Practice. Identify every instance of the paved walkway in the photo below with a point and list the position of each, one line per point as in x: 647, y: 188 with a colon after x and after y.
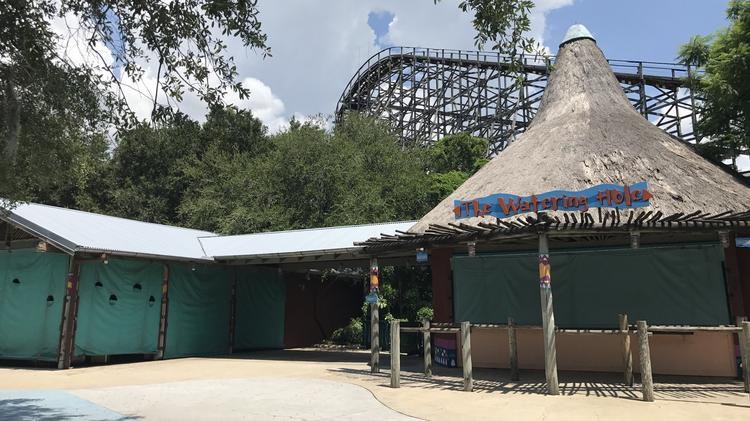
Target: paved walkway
x: 49, y: 405
x: 313, y: 385
x: 245, y: 399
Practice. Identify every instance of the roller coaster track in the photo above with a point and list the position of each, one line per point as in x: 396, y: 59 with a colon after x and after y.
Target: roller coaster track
x: 427, y: 93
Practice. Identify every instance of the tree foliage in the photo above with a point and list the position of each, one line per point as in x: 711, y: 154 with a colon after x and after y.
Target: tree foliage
x: 725, y: 86
x: 46, y: 93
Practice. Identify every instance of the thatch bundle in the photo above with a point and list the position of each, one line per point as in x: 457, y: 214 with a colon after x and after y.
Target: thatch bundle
x: 587, y: 133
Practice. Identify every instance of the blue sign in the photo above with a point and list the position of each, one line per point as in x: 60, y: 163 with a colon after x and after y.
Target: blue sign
x: 503, y: 205
x: 742, y: 241
x: 371, y: 298
x: 422, y: 257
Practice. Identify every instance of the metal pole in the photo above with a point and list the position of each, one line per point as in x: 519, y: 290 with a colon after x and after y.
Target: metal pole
x: 548, y: 317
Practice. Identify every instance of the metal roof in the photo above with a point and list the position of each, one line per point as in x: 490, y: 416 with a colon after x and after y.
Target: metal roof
x: 316, y: 241
x: 78, y: 231
x: 575, y: 32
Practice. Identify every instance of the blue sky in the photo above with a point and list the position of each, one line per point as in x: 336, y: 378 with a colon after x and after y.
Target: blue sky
x: 317, y: 45
x: 649, y: 30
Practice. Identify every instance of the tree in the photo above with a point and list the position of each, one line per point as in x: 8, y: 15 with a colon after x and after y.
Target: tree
x: 725, y: 86
x: 185, y: 38
x: 309, y: 178
x: 453, y: 159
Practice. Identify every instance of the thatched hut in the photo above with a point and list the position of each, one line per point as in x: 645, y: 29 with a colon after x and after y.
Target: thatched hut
x: 636, y: 222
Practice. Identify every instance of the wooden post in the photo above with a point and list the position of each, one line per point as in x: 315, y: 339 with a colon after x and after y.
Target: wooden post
x: 395, y: 354
x: 70, y: 313
x: 161, y: 344
x: 374, y: 318
x: 627, y: 355
x: 548, y: 317
x: 427, y: 348
x: 513, y: 347
x: 647, y: 381
x: 745, y: 349
x: 466, y: 356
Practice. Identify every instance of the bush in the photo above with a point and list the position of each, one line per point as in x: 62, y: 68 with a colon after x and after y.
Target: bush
x: 350, y: 334
x: 425, y: 313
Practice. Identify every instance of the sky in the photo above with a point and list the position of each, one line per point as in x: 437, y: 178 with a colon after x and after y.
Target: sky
x: 317, y: 45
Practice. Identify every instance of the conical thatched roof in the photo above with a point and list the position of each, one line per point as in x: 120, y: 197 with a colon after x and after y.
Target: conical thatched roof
x: 587, y: 133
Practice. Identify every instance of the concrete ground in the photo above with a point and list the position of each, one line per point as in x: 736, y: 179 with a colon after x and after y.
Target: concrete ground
x: 317, y: 385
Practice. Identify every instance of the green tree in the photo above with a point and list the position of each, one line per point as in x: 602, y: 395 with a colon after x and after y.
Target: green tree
x: 453, y: 159
x: 85, y: 99
x: 725, y: 85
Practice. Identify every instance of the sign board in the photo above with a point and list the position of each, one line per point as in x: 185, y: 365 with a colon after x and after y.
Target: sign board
x: 742, y: 241
x: 503, y: 205
x: 422, y: 257
x: 371, y: 298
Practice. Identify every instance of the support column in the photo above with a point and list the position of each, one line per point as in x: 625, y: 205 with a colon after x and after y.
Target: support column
x: 162, y: 341
x: 374, y: 319
x: 466, y: 356
x: 647, y: 380
x: 548, y: 317
x: 395, y: 354
x: 70, y: 313
x: 513, y: 349
x: 731, y: 266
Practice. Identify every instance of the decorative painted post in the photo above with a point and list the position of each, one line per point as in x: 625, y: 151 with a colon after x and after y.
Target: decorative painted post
x: 374, y: 318
x: 548, y: 317
x: 70, y: 313
x: 162, y: 341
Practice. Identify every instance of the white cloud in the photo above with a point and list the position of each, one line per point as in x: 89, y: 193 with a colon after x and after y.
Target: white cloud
x: 317, y: 46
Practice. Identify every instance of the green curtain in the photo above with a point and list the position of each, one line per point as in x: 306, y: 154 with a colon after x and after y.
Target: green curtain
x: 663, y: 285
x: 199, y: 310
x: 259, y: 311
x: 32, y: 290
x: 119, y: 306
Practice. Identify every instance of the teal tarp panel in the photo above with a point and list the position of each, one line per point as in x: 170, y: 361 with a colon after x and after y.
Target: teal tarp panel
x: 259, y: 309
x: 662, y: 285
x: 119, y: 306
x: 199, y: 310
x: 31, y: 307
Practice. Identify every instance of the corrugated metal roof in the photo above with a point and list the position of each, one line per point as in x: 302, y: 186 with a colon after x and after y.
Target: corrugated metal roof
x: 297, y: 242
x: 75, y: 230
x: 78, y: 231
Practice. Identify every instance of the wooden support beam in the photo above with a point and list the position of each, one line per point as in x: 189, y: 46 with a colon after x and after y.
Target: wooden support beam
x: 627, y: 355
x: 161, y: 344
x: 395, y: 354
x: 70, y: 313
x: 427, y: 348
x: 466, y: 356
x: 745, y: 349
x: 513, y: 349
x: 647, y: 381
x: 548, y: 317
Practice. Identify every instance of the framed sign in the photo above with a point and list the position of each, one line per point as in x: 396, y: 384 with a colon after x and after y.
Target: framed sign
x: 503, y: 205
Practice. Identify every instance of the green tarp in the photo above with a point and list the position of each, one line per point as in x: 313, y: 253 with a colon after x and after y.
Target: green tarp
x: 32, y: 290
x: 662, y: 285
x: 259, y: 311
x: 119, y: 306
x: 199, y: 310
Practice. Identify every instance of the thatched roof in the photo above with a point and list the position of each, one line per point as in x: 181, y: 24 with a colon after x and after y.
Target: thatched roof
x: 587, y: 133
